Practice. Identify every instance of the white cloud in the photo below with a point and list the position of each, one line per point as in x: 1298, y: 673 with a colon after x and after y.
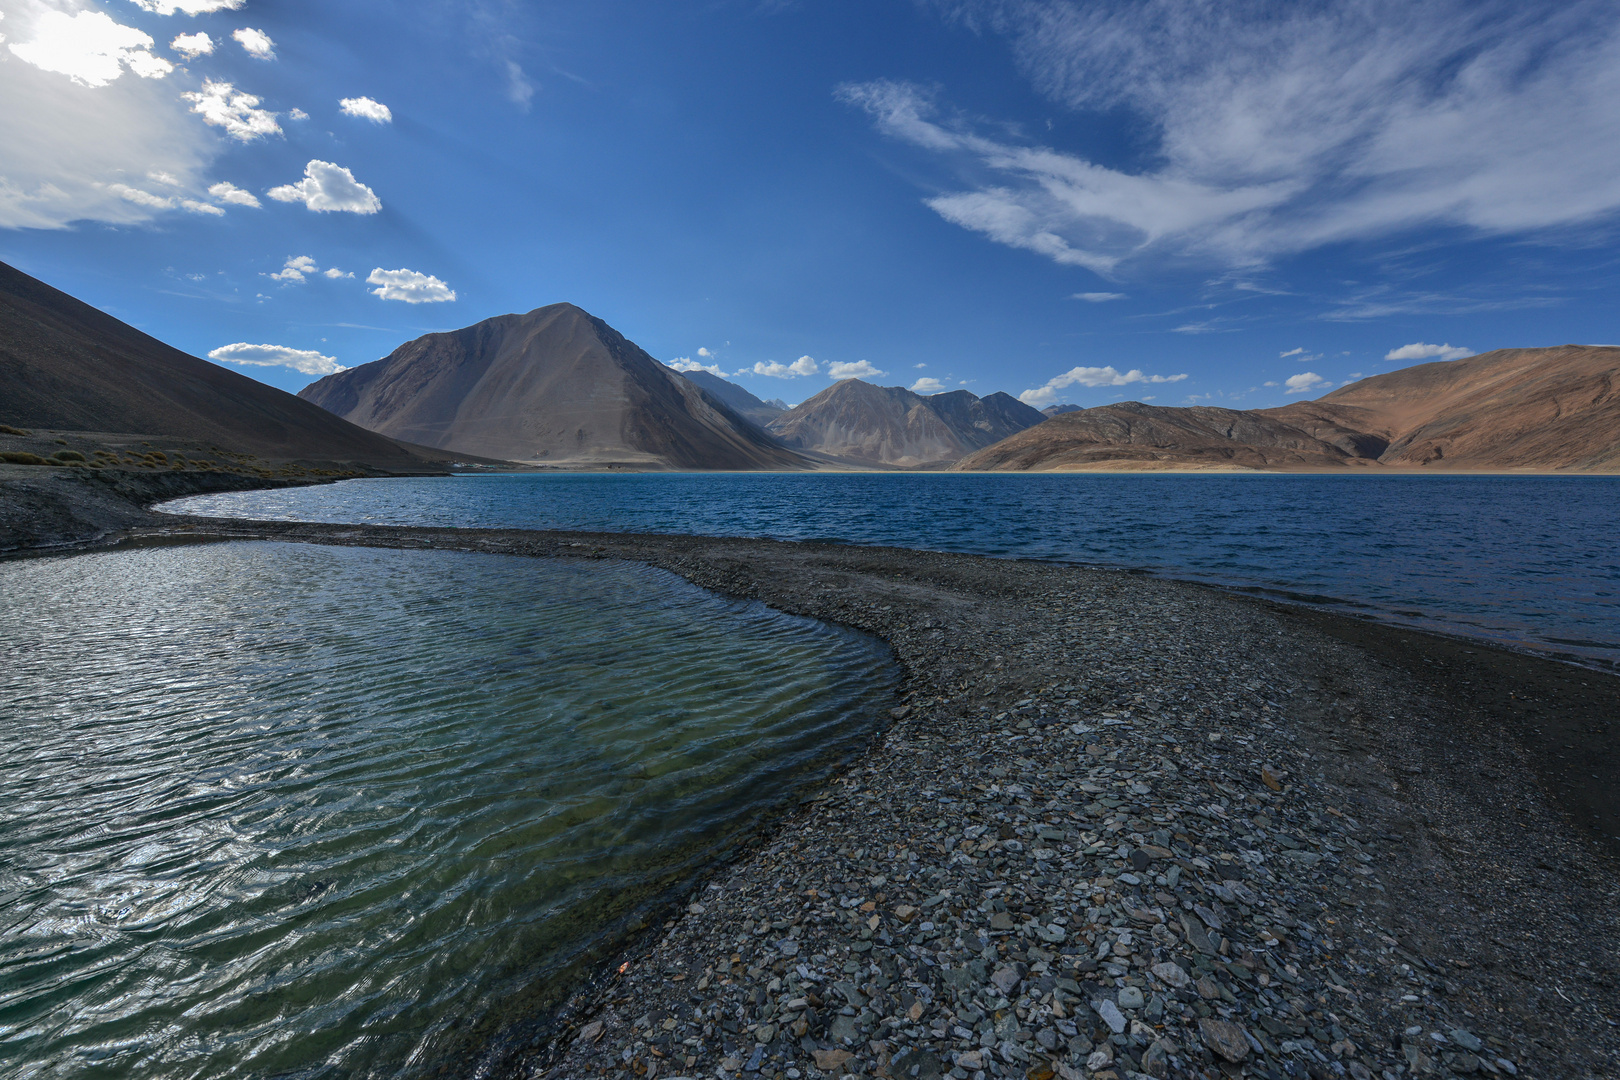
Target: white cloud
x: 328, y: 187
x: 219, y: 104
x: 1419, y: 351
x: 163, y: 202
x: 919, y: 367
x: 1271, y: 383
x: 256, y: 43
x: 409, y: 286
x: 192, y: 46
x: 89, y: 48
x: 303, y: 360
x: 1279, y: 130
x: 1093, y: 377
x: 296, y: 268
x: 334, y: 273
x: 188, y: 7
x: 519, y: 90
x: 196, y: 207
x: 704, y: 352
x: 1305, y: 382
x: 804, y: 365
x: 686, y: 363
x: 927, y: 385
x: 1290, y: 352
x: 227, y: 192
x: 367, y: 109
x: 1099, y: 297
x: 860, y: 369
x: 298, y: 114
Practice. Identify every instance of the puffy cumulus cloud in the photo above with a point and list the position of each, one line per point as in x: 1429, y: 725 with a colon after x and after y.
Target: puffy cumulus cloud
x: 307, y: 361
x: 334, y: 273
x: 256, y: 43
x: 89, y: 48
x: 1282, y: 129
x: 804, y: 365
x: 192, y: 46
x: 686, y: 363
x: 220, y: 104
x: 860, y: 369
x: 927, y: 385
x: 1419, y: 351
x: 1305, y: 382
x: 295, y: 269
x: 188, y: 7
x: 227, y: 192
x: 409, y: 286
x: 704, y: 352
x: 1099, y: 297
x: 1093, y: 377
x: 366, y: 109
x: 327, y: 187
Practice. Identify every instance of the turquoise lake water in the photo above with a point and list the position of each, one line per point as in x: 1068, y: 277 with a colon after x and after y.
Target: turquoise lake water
x: 1526, y: 561
x: 281, y: 810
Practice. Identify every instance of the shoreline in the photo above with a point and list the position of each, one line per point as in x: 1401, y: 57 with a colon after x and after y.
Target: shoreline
x: 1415, y: 842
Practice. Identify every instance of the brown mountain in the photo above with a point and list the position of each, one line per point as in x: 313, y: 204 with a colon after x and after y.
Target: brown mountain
x: 556, y: 386
x: 738, y: 399
x: 890, y: 425
x: 66, y: 366
x: 1512, y: 409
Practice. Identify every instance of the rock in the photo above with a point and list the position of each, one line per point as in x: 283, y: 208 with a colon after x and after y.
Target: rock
x: 1131, y: 997
x: 1212, y: 919
x: 1171, y: 975
x: 1001, y: 921
x: 830, y: 1060
x: 590, y: 1032
x: 787, y: 947
x: 916, y: 1064
x: 1466, y: 1040
x: 1208, y: 988
x: 971, y: 1060
x: 1101, y: 1059
x: 1110, y: 1014
x: 1006, y: 980
x: 765, y: 1033
x: 1225, y: 1038
x: 1156, y: 1060
x: 844, y: 1029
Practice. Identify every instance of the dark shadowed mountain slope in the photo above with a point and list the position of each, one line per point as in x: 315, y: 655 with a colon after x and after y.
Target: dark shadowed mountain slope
x: 890, y: 425
x: 66, y: 366
x: 554, y: 386
x: 1550, y: 408
x: 738, y: 399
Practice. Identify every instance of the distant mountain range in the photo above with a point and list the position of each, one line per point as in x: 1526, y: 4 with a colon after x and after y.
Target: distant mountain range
x: 1531, y: 409
x: 66, y: 366
x: 556, y: 386
x: 889, y: 425
x: 740, y: 401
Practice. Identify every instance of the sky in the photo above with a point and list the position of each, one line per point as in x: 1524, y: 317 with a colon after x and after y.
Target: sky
x: 1178, y: 201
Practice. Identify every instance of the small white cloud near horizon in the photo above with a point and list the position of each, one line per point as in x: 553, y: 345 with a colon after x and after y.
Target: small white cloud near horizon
x: 860, y: 369
x: 89, y: 48
x: 305, y: 361
x: 219, y: 104
x: 686, y: 363
x: 1305, y: 382
x: 1419, y: 351
x: 1092, y: 377
x: 227, y: 192
x: 367, y: 109
x: 410, y: 286
x: 927, y: 385
x: 328, y: 188
x: 188, y: 7
x: 192, y: 46
x: 1098, y: 297
x: 804, y: 365
x: 256, y: 43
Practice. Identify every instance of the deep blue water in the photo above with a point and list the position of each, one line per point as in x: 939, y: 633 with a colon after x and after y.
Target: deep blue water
x: 1528, y: 561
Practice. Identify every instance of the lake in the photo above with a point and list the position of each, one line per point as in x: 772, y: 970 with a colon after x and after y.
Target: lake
x: 288, y: 810
x: 1525, y: 561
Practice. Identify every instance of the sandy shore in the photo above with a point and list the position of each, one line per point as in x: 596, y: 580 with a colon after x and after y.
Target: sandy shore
x: 1122, y: 825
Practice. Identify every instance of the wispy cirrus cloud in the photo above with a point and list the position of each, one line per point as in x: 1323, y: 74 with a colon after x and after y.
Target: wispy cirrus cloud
x: 1285, y: 129
x: 1091, y: 377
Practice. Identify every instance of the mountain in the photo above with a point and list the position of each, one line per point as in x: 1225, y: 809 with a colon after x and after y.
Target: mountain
x: 1058, y: 410
x: 740, y: 401
x: 66, y: 366
x: 1512, y: 409
x: 555, y: 386
x: 890, y: 425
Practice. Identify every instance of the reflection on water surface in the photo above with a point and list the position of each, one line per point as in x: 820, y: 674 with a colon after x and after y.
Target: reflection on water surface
x: 273, y: 809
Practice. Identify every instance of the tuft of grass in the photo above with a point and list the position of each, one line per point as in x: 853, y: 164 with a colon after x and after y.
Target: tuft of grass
x: 7, y: 429
x: 21, y: 457
x: 68, y: 455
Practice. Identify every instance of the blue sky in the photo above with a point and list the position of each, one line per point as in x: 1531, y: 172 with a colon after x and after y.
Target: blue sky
x: 1237, y: 204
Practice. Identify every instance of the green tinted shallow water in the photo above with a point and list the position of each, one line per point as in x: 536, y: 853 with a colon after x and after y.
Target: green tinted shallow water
x: 281, y: 810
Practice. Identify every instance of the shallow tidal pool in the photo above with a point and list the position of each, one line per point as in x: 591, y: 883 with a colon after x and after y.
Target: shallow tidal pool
x: 277, y: 810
